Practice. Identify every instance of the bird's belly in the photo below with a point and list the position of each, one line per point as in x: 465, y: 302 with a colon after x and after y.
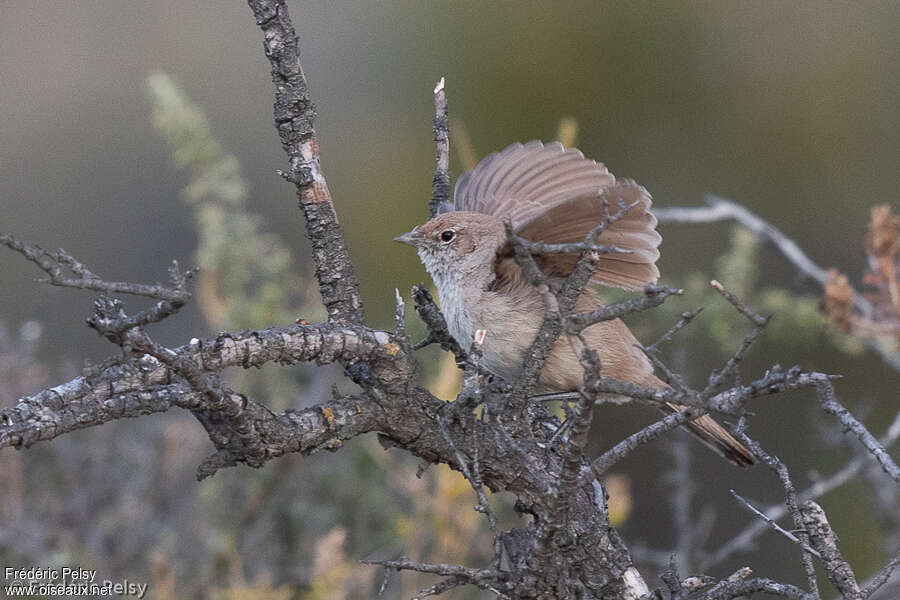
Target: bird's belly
x: 510, y: 329
x: 504, y: 354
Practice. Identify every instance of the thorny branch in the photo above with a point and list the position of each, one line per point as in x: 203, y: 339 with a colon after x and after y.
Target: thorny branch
x: 567, y: 549
x: 55, y: 264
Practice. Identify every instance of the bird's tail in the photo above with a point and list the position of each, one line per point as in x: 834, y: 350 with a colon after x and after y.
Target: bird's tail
x: 708, y: 431
x: 713, y: 435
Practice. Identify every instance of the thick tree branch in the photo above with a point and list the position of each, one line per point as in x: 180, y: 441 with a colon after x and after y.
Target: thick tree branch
x: 140, y: 385
x: 822, y: 538
x: 295, y: 118
x: 440, y: 185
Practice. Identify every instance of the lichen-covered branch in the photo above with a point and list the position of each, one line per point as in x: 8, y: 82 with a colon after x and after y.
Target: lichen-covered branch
x: 295, y: 117
x: 440, y: 185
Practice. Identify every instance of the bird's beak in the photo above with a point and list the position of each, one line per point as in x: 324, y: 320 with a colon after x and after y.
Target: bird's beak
x: 410, y: 237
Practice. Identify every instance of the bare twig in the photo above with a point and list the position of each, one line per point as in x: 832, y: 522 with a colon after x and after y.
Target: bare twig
x: 560, y: 305
x: 654, y: 431
x: 790, y: 496
x: 54, y: 264
x: 435, y: 323
x: 721, y: 209
x: 384, y: 581
x: 685, y: 320
x: 754, y: 317
x: 830, y: 404
x: 473, y: 476
x: 744, y: 540
x: 654, y: 295
x: 524, y: 258
x: 730, y: 590
x: 439, y: 588
x: 775, y: 525
x: 681, y: 499
x: 881, y: 577
x: 457, y: 575
x: 718, y: 378
x: 540, y: 248
x: 404, y: 564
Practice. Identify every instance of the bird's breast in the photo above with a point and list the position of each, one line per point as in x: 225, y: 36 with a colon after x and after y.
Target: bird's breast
x: 510, y: 323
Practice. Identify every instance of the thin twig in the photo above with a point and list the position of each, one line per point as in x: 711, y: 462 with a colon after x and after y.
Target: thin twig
x: 718, y: 379
x: 720, y: 209
x: 741, y: 589
x: 54, y: 264
x: 404, y: 564
x: 686, y: 318
x: 681, y: 499
x: 881, y: 577
x: 654, y: 295
x: 651, y: 432
x: 439, y: 588
x: 790, y: 496
x: 744, y: 540
x: 438, y: 333
x: 830, y: 404
x: 474, y: 478
x: 775, y: 525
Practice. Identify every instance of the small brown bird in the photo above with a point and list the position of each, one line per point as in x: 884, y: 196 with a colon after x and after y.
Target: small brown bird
x: 553, y: 195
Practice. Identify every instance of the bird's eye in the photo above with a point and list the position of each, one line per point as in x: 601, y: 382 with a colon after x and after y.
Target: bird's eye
x: 447, y: 235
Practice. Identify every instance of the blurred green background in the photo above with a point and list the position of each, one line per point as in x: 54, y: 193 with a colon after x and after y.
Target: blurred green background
x: 789, y: 108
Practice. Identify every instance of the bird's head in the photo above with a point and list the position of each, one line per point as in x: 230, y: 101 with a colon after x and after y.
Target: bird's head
x: 457, y: 244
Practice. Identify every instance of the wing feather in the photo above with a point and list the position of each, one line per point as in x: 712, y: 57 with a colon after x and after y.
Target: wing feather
x: 557, y: 196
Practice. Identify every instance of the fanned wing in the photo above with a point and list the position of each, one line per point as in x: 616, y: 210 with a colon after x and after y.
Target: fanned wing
x: 557, y: 196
